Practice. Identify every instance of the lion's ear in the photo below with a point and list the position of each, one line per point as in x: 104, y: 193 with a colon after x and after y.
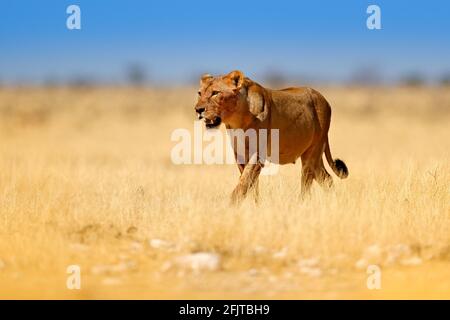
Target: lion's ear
x: 237, y: 78
x: 257, y: 105
x: 206, y: 78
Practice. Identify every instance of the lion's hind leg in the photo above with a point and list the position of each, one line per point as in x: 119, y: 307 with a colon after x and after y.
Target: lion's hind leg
x: 307, y: 180
x: 313, y: 169
x: 308, y: 172
x: 322, y: 177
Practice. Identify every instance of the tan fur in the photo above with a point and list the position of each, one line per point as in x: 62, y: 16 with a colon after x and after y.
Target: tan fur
x: 301, y: 114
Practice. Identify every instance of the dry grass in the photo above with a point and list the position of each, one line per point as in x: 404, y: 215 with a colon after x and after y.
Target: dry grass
x: 86, y: 179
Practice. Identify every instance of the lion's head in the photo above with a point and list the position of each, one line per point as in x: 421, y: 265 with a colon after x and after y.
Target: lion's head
x: 232, y: 99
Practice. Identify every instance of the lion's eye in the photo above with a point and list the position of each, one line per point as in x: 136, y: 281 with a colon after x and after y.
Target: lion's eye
x: 199, y: 93
x: 215, y: 93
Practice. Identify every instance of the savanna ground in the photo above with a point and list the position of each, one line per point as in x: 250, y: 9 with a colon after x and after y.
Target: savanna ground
x: 86, y: 179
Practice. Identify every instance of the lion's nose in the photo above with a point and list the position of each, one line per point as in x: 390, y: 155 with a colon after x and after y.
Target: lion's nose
x: 200, y: 110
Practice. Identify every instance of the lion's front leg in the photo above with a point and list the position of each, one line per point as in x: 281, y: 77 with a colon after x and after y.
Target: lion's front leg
x: 255, y: 190
x: 247, y: 181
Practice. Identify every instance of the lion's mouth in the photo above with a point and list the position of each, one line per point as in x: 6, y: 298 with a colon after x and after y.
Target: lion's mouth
x: 211, y: 124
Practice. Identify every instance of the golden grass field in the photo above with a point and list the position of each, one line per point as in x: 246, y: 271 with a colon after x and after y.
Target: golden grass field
x: 86, y: 179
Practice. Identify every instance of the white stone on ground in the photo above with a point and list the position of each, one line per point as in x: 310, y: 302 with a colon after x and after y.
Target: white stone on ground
x: 197, y: 262
x: 310, y: 267
x: 390, y: 255
x: 310, y: 262
x: 361, y: 264
x: 398, y: 252
x: 373, y: 254
x: 413, y: 261
x: 160, y: 244
x: 281, y: 254
x: 115, y: 268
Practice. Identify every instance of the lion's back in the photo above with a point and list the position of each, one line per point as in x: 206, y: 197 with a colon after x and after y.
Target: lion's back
x: 321, y: 105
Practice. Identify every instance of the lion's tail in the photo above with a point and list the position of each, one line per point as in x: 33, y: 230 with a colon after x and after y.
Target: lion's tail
x: 338, y: 166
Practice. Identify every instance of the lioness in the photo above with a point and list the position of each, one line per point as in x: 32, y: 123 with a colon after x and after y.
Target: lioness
x: 301, y: 114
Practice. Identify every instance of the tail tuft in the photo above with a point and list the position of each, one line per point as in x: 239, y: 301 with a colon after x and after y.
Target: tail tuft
x: 341, y: 168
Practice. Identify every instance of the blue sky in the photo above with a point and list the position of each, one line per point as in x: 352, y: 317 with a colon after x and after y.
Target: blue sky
x: 176, y: 40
